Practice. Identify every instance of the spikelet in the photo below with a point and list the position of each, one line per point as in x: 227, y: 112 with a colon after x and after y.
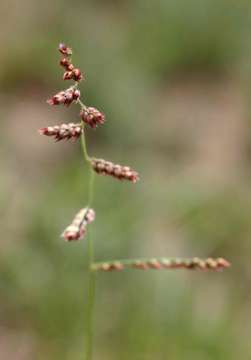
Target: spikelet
x: 77, y: 229
x: 64, y: 131
x: 65, y: 50
x: 65, y: 97
x: 92, y: 117
x: 118, y: 171
x: 66, y: 64
x: 163, y: 263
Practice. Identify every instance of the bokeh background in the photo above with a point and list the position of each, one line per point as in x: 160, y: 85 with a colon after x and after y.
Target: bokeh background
x: 173, y: 78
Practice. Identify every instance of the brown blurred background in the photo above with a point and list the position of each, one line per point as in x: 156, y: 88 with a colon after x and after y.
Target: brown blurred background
x: 173, y: 78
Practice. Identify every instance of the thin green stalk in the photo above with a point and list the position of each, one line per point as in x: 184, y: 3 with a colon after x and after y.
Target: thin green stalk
x: 92, y: 275
x: 82, y: 105
x: 91, y: 186
x: 90, y: 314
x: 84, y: 148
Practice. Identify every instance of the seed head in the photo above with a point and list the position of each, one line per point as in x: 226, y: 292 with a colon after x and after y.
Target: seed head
x: 73, y: 74
x: 118, y: 171
x: 64, y: 131
x: 68, y: 75
x: 92, y: 117
x: 65, y: 97
x: 90, y: 216
x: 65, y: 50
x: 77, y: 229
x: 66, y: 64
x: 76, y: 74
x: 163, y: 263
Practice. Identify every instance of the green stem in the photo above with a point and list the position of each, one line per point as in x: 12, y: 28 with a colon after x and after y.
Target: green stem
x: 82, y: 105
x: 91, y: 172
x: 90, y: 314
x: 91, y: 186
x: 84, y: 148
x: 92, y: 275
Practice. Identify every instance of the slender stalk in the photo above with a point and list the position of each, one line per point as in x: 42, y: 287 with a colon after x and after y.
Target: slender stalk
x: 91, y: 186
x: 84, y: 148
x: 82, y: 105
x: 92, y: 275
x: 90, y: 313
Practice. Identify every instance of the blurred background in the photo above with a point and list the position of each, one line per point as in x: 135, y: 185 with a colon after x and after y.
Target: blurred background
x: 173, y: 78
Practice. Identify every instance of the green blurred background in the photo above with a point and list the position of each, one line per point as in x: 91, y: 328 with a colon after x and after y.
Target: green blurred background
x: 173, y: 78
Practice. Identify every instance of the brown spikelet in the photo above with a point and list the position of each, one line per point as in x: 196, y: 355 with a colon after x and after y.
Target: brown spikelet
x: 65, y: 50
x: 68, y: 75
x: 65, y: 97
x: 64, y: 131
x: 77, y: 75
x: 92, y: 117
x: 77, y: 229
x: 163, y: 263
x: 73, y: 74
x: 66, y: 64
x: 118, y: 171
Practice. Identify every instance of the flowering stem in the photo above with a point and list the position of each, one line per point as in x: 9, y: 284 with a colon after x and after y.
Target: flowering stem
x: 92, y: 275
x: 77, y: 229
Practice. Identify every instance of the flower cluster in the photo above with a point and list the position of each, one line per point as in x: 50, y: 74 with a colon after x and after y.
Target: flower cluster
x: 65, y: 50
x: 71, y: 73
x: 92, y: 117
x: 118, y: 171
x: 163, y: 263
x: 65, y: 97
x: 64, y: 131
x: 77, y: 229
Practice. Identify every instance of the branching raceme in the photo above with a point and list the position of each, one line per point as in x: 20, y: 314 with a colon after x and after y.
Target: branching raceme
x: 90, y: 116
